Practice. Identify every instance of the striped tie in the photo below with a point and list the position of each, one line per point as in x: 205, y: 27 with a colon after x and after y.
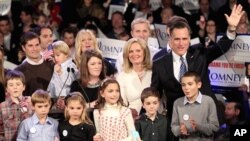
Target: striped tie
x: 183, y: 67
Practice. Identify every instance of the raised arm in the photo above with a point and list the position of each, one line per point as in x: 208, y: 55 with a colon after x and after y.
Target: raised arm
x: 234, y: 18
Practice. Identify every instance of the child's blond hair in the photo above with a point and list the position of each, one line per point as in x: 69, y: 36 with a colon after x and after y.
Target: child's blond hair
x: 40, y: 96
x: 62, y: 47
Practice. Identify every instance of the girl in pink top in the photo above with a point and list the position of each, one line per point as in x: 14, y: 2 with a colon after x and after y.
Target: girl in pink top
x: 113, y: 120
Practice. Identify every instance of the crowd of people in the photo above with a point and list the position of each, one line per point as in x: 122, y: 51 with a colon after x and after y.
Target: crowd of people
x: 64, y: 89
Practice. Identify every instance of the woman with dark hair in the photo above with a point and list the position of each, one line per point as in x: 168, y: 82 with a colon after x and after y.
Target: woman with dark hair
x: 208, y: 31
x: 92, y: 72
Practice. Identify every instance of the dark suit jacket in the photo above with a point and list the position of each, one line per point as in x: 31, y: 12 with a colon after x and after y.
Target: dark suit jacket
x: 198, y: 59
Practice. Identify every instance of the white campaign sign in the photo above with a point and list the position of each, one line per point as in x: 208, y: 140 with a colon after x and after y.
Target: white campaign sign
x: 155, y: 4
x: 114, y: 8
x: 5, y: 6
x: 110, y: 47
x: 229, y: 69
x: 161, y: 34
x: 188, y: 4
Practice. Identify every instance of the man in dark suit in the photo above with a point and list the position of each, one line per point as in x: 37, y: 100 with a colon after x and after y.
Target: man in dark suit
x: 166, y: 70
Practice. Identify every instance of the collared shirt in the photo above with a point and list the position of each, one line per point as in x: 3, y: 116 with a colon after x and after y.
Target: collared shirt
x: 152, y: 130
x: 231, y: 36
x: 10, y: 118
x: 198, y: 99
x: 32, y: 130
x: 32, y: 62
x: 177, y: 64
x: 58, y: 80
x: 204, y: 114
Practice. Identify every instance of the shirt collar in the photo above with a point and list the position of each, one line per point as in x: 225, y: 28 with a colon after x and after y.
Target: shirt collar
x: 34, y: 63
x: 65, y: 64
x: 145, y: 117
x: 176, y: 57
x: 198, y: 99
x: 168, y: 47
x: 107, y: 105
x: 9, y: 101
x: 35, y: 119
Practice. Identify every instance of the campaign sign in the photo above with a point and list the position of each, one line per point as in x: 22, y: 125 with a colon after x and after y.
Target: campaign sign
x: 110, y: 48
x: 161, y: 34
x: 5, y: 6
x: 229, y: 69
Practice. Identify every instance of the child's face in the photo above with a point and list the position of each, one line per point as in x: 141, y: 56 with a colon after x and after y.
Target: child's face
x: 111, y: 93
x: 60, y: 57
x: 74, y: 109
x: 95, y: 66
x: 190, y: 87
x: 42, y: 109
x: 151, y: 105
x: 15, y: 87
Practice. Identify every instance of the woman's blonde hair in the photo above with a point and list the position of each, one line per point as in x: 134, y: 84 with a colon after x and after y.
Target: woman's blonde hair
x: 78, y: 43
x: 127, y: 65
x: 77, y: 96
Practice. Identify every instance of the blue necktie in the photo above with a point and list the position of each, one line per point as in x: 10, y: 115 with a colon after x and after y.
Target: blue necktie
x: 183, y: 67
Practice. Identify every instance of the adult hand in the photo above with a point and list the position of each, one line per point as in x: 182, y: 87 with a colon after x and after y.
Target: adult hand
x: 235, y: 16
x: 202, y: 23
x: 92, y: 104
x: 60, y: 103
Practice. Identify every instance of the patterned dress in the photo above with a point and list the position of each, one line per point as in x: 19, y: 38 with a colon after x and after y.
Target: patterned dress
x: 114, y: 123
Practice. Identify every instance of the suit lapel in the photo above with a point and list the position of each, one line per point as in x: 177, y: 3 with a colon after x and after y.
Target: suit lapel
x: 190, y: 62
x: 169, y: 67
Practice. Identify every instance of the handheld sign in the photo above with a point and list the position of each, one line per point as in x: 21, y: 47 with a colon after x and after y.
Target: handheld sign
x: 5, y: 6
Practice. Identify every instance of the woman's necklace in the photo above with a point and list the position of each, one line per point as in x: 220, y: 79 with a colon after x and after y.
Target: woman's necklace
x: 94, y: 85
x: 141, y: 74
